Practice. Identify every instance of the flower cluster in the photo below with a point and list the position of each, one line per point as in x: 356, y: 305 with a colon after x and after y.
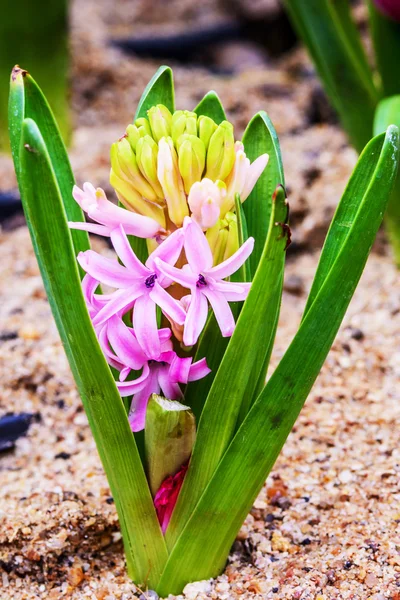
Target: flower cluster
x: 177, y: 175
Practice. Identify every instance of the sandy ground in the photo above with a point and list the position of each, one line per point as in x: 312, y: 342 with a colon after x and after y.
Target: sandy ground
x: 325, y: 527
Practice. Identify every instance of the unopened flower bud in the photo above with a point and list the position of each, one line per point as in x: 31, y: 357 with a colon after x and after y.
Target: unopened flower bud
x: 124, y: 164
x: 192, y: 159
x: 223, y: 238
x: 132, y: 200
x: 221, y: 152
x: 133, y: 135
x: 170, y: 433
x: 205, y: 200
x: 206, y: 128
x: 147, y: 157
x: 243, y: 177
x: 160, y: 121
x: 143, y: 126
x: 183, y: 121
x: 171, y: 181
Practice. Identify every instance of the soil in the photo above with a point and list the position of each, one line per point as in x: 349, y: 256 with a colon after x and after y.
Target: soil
x: 325, y: 526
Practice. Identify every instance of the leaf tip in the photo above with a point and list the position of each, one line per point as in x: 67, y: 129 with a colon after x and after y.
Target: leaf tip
x: 17, y: 73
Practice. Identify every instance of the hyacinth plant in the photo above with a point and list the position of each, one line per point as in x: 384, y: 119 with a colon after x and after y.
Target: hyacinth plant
x: 366, y: 96
x: 169, y: 342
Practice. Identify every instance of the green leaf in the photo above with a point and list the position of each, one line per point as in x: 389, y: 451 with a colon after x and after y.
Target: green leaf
x: 159, y: 90
x: 334, y: 45
x: 232, y: 389
x: 27, y: 101
x: 211, y: 106
x: 385, y: 35
x: 144, y: 544
x: 204, y: 544
x: 260, y: 138
x: 343, y: 220
x: 387, y: 113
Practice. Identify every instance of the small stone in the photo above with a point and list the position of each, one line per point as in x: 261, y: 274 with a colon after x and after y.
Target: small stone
x: 75, y: 576
x: 371, y: 580
x: 294, y: 285
x: 191, y: 590
x: 345, y: 476
x: 29, y: 332
x: 280, y: 543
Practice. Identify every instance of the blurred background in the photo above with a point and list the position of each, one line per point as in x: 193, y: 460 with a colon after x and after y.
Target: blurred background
x: 93, y: 59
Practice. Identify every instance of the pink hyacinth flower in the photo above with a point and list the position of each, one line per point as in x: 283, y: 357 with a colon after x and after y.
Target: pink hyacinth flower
x: 138, y: 285
x: 167, y: 495
x: 162, y: 376
x: 108, y: 216
x: 206, y: 282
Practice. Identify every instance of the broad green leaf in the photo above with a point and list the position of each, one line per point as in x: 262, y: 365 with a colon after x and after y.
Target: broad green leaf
x: 144, y: 544
x: 385, y: 35
x: 260, y: 138
x: 27, y: 101
x: 388, y: 112
x: 326, y: 30
x: 159, y: 90
x: 211, y: 106
x: 244, y: 359
x: 202, y: 549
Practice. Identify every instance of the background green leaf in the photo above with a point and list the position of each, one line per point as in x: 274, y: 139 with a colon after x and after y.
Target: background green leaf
x: 333, y: 42
x: 235, y: 381
x: 385, y: 35
x: 204, y: 544
x: 260, y: 138
x: 144, y: 544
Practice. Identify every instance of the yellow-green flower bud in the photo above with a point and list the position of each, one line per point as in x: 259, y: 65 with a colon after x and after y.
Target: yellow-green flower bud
x: 147, y: 156
x: 206, y: 128
x: 131, y: 199
x: 232, y: 243
x: 223, y: 238
x: 192, y: 159
x: 221, y: 152
x: 143, y: 126
x: 171, y: 181
x: 160, y: 121
x: 133, y: 135
x: 124, y: 164
x: 183, y: 121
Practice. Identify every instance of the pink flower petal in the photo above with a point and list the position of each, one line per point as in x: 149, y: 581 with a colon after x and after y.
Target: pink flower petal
x: 198, y: 370
x: 125, y: 345
x: 237, y: 295
x: 198, y: 252
x: 90, y: 228
x: 195, y: 319
x: 145, y: 326
x: 170, y: 307
x: 183, y: 277
x: 170, y: 389
x: 128, y: 388
x: 124, y: 251
x: 106, y: 270
x: 232, y: 264
x: 179, y: 369
x: 121, y: 300
x: 222, y: 311
x: 168, y: 251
